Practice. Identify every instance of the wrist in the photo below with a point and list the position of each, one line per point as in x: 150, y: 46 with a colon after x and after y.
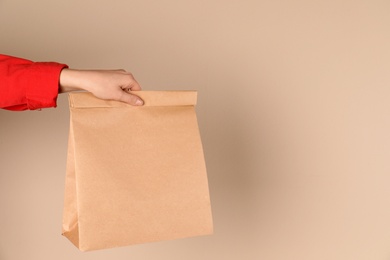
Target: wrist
x: 69, y: 81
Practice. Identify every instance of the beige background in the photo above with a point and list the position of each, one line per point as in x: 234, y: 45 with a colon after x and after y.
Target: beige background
x: 293, y: 109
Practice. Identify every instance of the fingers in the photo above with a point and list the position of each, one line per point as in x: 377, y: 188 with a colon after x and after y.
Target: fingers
x: 132, y: 83
x: 131, y: 99
x: 128, y: 84
x: 135, y: 86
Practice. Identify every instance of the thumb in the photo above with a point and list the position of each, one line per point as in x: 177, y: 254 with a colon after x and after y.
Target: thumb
x: 131, y: 99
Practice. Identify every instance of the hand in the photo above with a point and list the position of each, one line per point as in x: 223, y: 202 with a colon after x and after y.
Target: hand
x: 104, y: 84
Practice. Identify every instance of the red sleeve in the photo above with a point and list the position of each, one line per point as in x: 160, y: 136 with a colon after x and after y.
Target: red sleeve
x: 28, y: 85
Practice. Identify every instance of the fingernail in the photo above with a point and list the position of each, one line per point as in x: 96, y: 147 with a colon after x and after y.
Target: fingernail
x: 139, y: 102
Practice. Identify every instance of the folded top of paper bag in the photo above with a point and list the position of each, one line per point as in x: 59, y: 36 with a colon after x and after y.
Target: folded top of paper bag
x: 151, y: 98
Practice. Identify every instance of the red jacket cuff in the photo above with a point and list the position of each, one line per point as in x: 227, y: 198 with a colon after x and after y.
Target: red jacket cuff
x: 43, y: 84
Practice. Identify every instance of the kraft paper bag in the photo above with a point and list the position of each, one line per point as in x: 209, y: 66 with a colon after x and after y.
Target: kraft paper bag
x: 135, y: 174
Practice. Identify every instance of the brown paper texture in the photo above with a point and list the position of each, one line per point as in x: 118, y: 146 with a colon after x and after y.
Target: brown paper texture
x: 135, y: 174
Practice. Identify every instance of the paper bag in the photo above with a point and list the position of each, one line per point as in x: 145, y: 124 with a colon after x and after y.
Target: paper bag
x: 135, y: 174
